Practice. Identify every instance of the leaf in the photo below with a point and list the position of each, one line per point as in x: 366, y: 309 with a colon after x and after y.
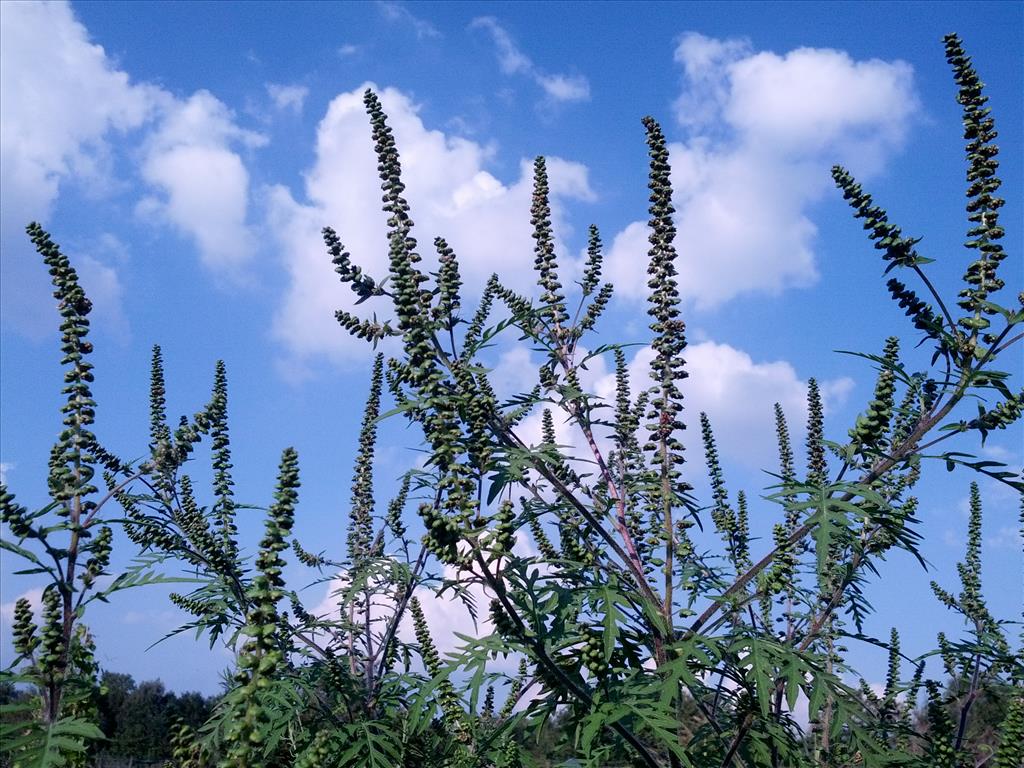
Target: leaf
x: 10, y: 546
x: 48, y: 746
x: 607, y: 603
x: 604, y: 716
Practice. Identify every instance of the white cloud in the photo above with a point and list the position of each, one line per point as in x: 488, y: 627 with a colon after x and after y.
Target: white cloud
x: 34, y: 597
x: 738, y: 394
x: 702, y: 59
x: 450, y: 193
x: 288, y: 97
x: 513, y: 61
x: 565, y: 87
x: 61, y: 102
x: 397, y: 12
x: 762, y: 131
x: 348, y: 49
x: 204, y: 182
x: 61, y: 99
x: 1007, y: 537
x: 1001, y: 454
x: 5, y: 468
x: 66, y: 103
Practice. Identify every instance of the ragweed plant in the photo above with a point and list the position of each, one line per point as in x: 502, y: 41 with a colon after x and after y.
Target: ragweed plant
x: 68, y: 543
x: 624, y: 622
x: 651, y: 650
x: 309, y: 689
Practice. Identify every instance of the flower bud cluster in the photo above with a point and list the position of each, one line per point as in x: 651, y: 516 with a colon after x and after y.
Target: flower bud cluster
x: 593, y: 652
x: 186, y: 749
x: 443, y: 532
x: 504, y: 535
x: 502, y: 622
x: 447, y: 697
x: 898, y: 250
x: 24, y: 630
x: 545, y: 262
x: 263, y: 655
x: 510, y: 754
x: 940, y: 730
x: 52, y: 651
x: 1011, y: 747
x: 982, y: 182
x: 514, y: 689
x: 71, y: 458
x: 97, y: 563
x: 540, y: 538
x: 191, y: 605
x: 317, y: 754
x: 871, y: 426
x: 14, y: 515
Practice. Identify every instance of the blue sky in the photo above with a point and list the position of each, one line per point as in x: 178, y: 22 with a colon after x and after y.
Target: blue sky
x: 187, y: 154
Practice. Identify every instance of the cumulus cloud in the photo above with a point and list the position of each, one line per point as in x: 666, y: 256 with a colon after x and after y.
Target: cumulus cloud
x: 739, y: 393
x: 1007, y: 537
x: 102, y: 284
x: 451, y: 194
x: 5, y: 468
x: 288, y: 97
x: 512, y: 61
x: 203, y: 181
x: 61, y: 102
x: 762, y: 130
x: 736, y: 391
x: 65, y: 105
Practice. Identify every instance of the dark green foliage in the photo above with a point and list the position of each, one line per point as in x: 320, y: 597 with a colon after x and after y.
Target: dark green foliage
x: 1011, y: 743
x: 623, y: 521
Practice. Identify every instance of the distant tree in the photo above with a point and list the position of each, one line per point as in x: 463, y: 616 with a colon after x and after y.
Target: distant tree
x: 191, y: 708
x: 115, y: 687
x: 143, y: 722
x: 138, y: 718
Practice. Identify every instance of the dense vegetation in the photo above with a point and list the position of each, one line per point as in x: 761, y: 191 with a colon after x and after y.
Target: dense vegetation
x: 614, y: 624
x: 139, y: 720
